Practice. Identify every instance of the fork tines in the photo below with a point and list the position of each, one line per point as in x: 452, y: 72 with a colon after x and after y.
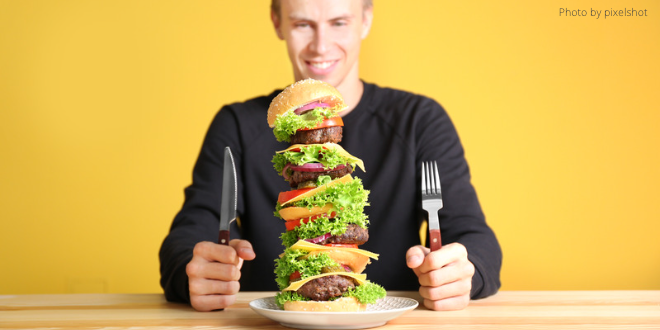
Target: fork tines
x: 430, y: 178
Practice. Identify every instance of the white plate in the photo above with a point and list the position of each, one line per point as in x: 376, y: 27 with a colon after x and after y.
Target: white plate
x: 376, y: 314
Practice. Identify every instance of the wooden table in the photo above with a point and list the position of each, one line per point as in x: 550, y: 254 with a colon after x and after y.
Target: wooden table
x: 506, y: 310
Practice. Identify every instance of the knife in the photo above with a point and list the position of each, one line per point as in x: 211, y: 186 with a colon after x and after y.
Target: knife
x: 229, y: 195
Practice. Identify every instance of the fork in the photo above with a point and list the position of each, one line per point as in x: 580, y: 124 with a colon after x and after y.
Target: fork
x: 432, y: 201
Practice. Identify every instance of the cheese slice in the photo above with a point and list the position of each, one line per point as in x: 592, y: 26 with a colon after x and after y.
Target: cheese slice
x: 294, y: 212
x: 359, y: 278
x: 307, y: 246
x: 344, y: 179
x: 330, y: 145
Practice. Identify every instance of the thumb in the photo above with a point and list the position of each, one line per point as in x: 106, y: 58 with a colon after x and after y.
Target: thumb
x: 415, y: 256
x: 243, y: 249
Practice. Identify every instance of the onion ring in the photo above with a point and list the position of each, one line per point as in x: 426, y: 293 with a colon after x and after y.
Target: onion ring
x: 310, y: 106
x: 318, y: 238
x: 315, y: 167
x: 284, y: 171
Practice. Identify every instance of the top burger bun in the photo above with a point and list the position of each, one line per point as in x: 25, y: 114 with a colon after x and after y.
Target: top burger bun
x: 300, y: 93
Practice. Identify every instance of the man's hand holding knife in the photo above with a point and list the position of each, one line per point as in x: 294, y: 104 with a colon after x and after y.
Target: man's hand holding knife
x: 215, y: 269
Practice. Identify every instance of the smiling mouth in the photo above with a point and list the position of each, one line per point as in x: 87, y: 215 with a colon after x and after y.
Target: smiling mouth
x: 321, y: 65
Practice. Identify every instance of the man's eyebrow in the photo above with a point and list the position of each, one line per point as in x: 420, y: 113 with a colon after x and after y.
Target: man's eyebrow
x: 295, y: 17
x: 343, y: 17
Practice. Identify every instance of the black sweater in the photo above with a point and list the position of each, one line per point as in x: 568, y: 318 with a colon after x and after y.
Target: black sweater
x: 392, y: 132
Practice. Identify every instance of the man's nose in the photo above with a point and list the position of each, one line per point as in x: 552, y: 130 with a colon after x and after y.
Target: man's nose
x: 320, y: 43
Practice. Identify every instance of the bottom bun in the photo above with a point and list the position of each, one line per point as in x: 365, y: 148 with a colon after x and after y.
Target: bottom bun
x: 346, y: 304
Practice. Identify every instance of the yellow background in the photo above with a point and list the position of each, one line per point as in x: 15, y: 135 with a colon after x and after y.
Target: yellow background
x: 104, y: 105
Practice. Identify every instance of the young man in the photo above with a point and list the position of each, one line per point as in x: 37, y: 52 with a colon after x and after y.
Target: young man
x: 392, y: 131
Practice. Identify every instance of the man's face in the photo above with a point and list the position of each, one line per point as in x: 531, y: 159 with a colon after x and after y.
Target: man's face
x: 323, y: 37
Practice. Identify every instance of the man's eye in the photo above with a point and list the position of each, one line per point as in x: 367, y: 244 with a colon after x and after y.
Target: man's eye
x: 340, y: 23
x: 301, y: 25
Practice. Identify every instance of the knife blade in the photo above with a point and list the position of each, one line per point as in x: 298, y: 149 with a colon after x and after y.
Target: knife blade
x: 228, y: 198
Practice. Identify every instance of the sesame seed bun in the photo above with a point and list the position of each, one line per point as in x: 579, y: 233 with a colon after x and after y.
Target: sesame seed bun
x: 301, y: 93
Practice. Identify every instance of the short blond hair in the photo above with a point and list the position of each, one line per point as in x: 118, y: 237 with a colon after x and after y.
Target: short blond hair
x: 275, y: 6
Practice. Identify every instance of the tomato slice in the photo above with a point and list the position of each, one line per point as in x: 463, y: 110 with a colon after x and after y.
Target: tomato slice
x: 328, y: 122
x: 288, y: 195
x: 294, y: 275
x: 293, y: 224
x: 352, y: 246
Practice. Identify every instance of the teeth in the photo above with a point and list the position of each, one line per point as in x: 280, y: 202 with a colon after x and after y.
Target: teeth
x: 322, y: 65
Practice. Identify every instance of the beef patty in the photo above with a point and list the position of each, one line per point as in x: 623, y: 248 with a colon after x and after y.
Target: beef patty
x: 326, y: 287
x: 354, y: 234
x: 319, y: 135
x: 298, y: 177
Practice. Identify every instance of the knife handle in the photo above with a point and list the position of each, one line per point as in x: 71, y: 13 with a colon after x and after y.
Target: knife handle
x: 223, y: 237
x: 436, y: 241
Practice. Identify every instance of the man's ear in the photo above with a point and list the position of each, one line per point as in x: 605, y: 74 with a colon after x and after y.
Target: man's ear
x: 367, y: 19
x: 276, y: 24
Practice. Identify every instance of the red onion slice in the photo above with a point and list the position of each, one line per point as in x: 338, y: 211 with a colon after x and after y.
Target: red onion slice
x: 318, y: 238
x: 314, y: 167
x: 310, y: 106
x: 348, y: 269
x: 284, y: 171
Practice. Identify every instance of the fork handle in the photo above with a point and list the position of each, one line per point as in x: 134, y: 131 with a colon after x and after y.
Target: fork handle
x: 436, y: 241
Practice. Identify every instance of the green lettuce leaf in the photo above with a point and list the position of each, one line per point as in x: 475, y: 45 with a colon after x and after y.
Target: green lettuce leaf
x: 321, y: 226
x: 348, y: 201
x: 367, y: 293
x: 284, y: 296
x: 288, y: 123
x: 299, y: 260
x: 312, y: 153
x: 345, y: 197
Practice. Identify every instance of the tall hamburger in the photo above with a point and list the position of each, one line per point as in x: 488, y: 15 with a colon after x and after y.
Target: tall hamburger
x: 321, y: 266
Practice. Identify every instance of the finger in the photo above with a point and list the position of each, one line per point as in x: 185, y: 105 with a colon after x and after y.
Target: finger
x: 216, y: 252
x: 451, y: 273
x: 449, y: 304
x: 449, y: 290
x: 200, y: 287
x: 198, y: 267
x: 219, y: 271
x: 415, y: 256
x: 243, y: 249
x: 447, y: 254
x: 211, y: 302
